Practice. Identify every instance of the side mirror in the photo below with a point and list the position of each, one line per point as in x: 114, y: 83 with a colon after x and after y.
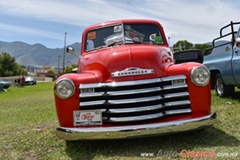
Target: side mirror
x: 238, y: 42
x: 70, y: 50
x: 194, y: 55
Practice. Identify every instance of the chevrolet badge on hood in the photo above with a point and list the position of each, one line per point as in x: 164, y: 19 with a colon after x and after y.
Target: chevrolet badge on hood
x: 132, y: 72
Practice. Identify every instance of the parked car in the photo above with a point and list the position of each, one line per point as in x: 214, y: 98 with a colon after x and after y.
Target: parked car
x: 129, y: 84
x: 6, y: 84
x: 30, y: 81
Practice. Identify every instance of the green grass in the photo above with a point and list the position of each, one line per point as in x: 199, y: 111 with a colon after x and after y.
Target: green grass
x: 28, y: 120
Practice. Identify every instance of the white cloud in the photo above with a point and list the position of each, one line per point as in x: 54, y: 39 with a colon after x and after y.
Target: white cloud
x: 195, y: 21
x: 30, y: 31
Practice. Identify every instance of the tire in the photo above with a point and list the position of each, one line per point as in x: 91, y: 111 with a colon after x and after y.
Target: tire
x: 221, y: 89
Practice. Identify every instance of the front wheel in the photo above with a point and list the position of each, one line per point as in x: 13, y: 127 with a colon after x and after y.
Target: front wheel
x: 221, y: 89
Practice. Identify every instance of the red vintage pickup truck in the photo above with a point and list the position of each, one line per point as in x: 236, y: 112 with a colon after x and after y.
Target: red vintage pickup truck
x: 130, y: 84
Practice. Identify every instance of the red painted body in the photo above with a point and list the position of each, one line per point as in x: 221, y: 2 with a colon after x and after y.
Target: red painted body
x: 96, y: 66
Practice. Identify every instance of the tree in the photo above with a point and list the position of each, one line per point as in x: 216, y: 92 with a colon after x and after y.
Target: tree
x: 204, y: 47
x: 69, y: 69
x: 8, y: 66
x: 52, y: 74
x: 182, y: 45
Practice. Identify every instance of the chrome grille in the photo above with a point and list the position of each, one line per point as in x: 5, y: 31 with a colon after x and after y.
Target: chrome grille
x: 136, y: 101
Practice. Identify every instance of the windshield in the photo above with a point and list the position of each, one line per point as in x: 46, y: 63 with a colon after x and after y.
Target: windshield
x: 123, y: 34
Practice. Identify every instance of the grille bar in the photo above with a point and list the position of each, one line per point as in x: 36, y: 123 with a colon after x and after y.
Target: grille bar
x: 180, y: 111
x: 135, y: 100
x: 177, y: 103
x: 136, y: 109
x: 149, y: 117
x: 174, y: 86
x: 137, y: 118
x: 91, y: 94
x: 135, y: 91
x: 180, y: 94
x: 90, y: 103
x: 119, y: 84
x: 118, y: 93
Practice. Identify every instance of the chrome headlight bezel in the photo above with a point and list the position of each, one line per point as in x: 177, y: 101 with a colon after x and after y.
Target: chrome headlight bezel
x: 200, y: 76
x: 65, y: 88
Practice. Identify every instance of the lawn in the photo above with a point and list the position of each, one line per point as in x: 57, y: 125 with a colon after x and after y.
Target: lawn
x: 28, y: 121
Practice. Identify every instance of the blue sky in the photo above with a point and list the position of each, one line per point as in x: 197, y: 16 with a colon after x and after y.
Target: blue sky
x: 46, y: 21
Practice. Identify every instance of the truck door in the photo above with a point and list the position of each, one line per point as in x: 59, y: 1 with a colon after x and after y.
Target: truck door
x: 236, y: 59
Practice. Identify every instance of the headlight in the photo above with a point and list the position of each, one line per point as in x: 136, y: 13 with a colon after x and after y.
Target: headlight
x: 200, y: 76
x: 65, y: 88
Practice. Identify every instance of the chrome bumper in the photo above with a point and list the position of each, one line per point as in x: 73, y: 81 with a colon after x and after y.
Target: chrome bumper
x: 135, y: 130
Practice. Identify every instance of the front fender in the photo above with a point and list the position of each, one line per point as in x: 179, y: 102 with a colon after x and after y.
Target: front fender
x: 200, y: 100
x: 64, y: 107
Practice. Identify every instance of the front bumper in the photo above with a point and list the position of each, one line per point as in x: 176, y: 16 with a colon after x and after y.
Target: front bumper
x: 134, y: 131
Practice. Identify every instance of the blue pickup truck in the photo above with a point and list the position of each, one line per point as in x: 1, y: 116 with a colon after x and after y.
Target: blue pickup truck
x: 223, y: 60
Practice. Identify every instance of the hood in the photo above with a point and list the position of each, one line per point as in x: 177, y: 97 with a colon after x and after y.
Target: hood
x: 129, y: 62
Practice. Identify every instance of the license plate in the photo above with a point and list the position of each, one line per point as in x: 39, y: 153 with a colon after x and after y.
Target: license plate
x: 87, y: 118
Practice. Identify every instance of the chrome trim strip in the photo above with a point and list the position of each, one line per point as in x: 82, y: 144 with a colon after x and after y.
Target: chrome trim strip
x: 130, y: 83
x: 135, y: 100
x: 179, y: 111
x: 89, y: 103
x: 178, y: 94
x: 174, y: 86
x: 125, y: 83
x: 91, y: 94
x: 131, y: 72
x: 170, y: 78
x: 177, y: 103
x: 135, y: 91
x: 134, y: 131
x: 138, y: 109
x: 147, y: 117
x: 136, y: 118
x: 103, y: 110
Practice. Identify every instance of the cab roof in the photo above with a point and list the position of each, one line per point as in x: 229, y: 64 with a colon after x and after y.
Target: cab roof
x: 109, y: 23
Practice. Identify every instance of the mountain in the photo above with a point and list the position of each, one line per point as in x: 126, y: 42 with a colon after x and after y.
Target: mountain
x: 38, y: 54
